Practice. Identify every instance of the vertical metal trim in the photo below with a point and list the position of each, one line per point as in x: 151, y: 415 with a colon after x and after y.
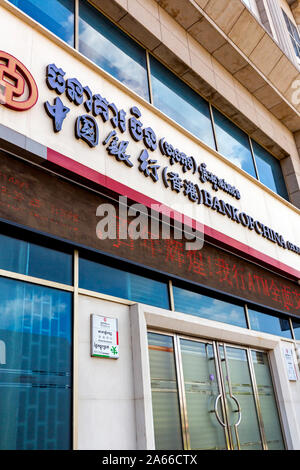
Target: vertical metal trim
x: 231, y: 395
x: 247, y: 316
x: 222, y: 389
x: 253, y: 158
x: 292, y: 329
x: 171, y: 296
x: 76, y: 24
x: 257, y: 401
x: 75, y: 349
x: 181, y: 394
x: 213, y: 125
x: 149, y: 76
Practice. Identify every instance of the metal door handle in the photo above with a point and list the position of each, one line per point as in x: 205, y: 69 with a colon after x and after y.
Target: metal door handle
x: 238, y: 410
x: 216, y: 411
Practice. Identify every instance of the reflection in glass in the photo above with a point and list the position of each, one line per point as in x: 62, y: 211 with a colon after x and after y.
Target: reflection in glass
x: 246, y: 435
x: 268, y: 407
x: 178, y: 101
x: 269, y: 323
x: 207, y: 307
x: 115, y: 52
x: 201, y: 392
x: 166, y: 416
x: 233, y: 143
x: 269, y: 170
x: 35, y: 367
x: 35, y: 260
x: 55, y: 15
x: 107, y: 280
x: 296, y: 328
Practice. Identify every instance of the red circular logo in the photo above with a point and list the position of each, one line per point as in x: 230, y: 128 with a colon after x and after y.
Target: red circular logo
x: 18, y: 89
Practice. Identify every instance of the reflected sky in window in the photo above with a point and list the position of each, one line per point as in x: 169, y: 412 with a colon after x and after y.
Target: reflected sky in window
x: 260, y: 321
x: 174, y: 98
x: 55, y: 15
x: 233, y: 143
x: 269, y: 170
x: 35, y: 260
x: 208, y: 307
x: 112, y: 281
x: 106, y: 45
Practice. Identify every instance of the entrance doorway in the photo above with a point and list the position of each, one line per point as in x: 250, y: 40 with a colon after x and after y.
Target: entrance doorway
x: 211, y: 395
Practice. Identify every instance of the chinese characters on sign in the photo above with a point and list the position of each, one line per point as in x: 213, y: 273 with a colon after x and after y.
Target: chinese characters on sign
x: 104, y: 337
x: 69, y: 212
x: 87, y: 130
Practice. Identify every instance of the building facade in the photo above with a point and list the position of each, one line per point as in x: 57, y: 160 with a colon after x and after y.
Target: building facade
x: 149, y: 224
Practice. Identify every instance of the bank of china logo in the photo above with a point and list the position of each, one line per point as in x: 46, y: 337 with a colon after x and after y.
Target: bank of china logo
x: 18, y: 90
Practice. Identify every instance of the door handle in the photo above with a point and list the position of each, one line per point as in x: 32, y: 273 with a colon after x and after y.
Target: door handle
x: 216, y: 411
x: 238, y: 410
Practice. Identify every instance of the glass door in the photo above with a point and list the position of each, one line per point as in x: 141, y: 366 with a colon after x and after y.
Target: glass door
x: 242, y: 417
x: 203, y: 397
x: 210, y: 395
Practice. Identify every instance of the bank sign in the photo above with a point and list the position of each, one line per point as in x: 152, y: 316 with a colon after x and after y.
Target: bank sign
x: 86, y: 128
x: 94, y: 109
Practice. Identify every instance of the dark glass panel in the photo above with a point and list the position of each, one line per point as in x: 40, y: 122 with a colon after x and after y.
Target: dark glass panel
x: 296, y: 328
x: 269, y: 170
x: 112, y: 281
x: 35, y: 366
x: 35, y: 260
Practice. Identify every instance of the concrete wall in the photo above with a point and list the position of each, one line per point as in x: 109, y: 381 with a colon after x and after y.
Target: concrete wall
x: 113, y: 397
x: 105, y: 387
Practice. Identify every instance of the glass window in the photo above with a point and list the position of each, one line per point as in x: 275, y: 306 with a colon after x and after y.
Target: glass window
x: 166, y: 415
x: 178, y: 101
x: 35, y: 367
x: 107, y: 280
x: 115, y: 52
x: 207, y: 307
x: 267, y: 401
x: 269, y: 323
x: 296, y: 328
x: 233, y: 143
x: 35, y: 260
x: 269, y: 170
x: 294, y: 34
x: 55, y: 15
